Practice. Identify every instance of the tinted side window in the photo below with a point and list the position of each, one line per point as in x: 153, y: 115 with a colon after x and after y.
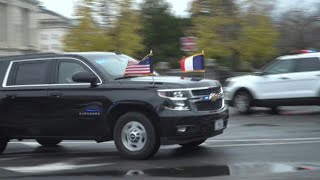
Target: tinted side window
x: 67, y: 69
x: 281, y: 66
x: 30, y: 73
x: 308, y: 64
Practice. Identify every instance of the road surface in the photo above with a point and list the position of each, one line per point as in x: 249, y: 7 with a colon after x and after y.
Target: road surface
x: 258, y: 146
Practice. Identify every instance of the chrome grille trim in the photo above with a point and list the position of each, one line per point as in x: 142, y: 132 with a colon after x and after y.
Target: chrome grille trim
x: 206, y: 92
x: 193, y: 99
x: 209, y: 105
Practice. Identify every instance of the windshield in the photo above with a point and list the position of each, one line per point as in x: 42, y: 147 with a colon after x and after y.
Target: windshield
x: 268, y: 65
x: 280, y: 66
x: 112, y: 64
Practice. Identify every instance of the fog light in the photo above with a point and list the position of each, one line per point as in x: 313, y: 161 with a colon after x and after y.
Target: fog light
x: 181, y: 129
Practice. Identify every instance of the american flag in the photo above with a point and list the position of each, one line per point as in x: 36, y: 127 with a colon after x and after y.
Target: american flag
x: 138, y: 68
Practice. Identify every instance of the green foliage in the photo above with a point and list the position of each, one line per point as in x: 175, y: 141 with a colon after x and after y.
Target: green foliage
x: 127, y: 33
x: 86, y: 36
x: 127, y: 30
x: 162, y: 30
x: 225, y: 32
x: 96, y: 32
x: 258, y: 40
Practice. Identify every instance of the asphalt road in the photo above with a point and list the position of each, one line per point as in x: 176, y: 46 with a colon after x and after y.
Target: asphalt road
x: 258, y: 146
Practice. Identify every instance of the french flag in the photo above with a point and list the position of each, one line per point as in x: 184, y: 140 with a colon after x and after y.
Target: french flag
x: 193, y: 63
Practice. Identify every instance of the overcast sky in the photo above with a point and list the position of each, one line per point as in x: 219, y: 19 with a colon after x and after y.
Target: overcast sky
x: 179, y: 7
x: 65, y: 7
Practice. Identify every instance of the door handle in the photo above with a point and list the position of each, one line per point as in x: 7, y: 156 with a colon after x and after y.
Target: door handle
x: 318, y: 75
x: 56, y: 94
x: 284, y: 78
x: 12, y: 96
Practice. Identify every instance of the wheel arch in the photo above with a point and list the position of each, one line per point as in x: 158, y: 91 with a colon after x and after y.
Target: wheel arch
x: 241, y: 89
x: 120, y: 108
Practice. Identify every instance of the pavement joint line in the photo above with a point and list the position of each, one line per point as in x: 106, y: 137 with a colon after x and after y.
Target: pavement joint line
x: 149, y: 165
x: 264, y: 144
x: 210, y: 140
x: 248, y: 140
x: 33, y: 155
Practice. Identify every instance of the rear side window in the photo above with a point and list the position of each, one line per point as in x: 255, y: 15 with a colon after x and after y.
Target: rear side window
x: 30, y: 73
x: 308, y: 64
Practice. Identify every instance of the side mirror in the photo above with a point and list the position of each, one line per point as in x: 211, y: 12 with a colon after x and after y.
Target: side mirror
x: 259, y: 73
x: 85, y: 77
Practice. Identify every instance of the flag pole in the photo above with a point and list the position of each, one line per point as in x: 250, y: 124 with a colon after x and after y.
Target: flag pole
x: 151, y: 54
x: 204, y: 73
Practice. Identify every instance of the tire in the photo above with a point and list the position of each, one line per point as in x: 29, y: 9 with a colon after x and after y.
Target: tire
x: 242, y: 101
x: 275, y: 110
x: 48, y: 143
x: 193, y: 144
x: 3, y: 144
x: 135, y: 136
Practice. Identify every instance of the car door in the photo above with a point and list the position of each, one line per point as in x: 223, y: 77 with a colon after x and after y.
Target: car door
x: 279, y: 81
x: 308, y: 77
x: 77, y: 108
x: 24, y: 104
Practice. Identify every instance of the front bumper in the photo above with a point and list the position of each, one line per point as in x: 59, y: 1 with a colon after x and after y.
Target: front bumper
x: 198, y: 125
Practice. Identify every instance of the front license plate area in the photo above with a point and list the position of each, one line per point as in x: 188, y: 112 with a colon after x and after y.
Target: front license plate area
x: 218, y: 125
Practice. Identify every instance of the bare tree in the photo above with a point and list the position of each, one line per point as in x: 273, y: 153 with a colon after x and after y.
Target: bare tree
x: 106, y: 11
x: 299, y: 29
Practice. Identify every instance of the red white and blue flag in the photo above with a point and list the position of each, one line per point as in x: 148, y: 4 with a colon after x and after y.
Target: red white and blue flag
x: 143, y: 67
x: 193, y: 63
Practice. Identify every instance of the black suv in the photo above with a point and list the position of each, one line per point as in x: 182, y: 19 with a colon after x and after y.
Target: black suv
x: 85, y: 96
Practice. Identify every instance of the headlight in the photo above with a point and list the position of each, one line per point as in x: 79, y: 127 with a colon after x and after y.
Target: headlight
x: 177, y: 100
x: 173, y: 95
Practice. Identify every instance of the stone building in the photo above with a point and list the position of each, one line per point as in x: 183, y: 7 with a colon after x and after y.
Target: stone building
x: 18, y: 27
x: 52, y: 29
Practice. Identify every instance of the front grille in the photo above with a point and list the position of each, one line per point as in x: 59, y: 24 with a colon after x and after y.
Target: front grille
x: 209, y: 105
x: 203, y: 92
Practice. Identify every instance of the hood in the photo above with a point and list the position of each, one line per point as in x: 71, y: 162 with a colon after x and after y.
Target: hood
x: 171, y: 82
x: 244, y: 78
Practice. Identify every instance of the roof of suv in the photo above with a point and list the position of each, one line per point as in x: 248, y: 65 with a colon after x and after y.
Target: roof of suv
x: 303, y: 55
x: 44, y: 55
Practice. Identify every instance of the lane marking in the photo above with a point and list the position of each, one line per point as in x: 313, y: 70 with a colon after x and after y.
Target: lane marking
x: 71, y: 142
x: 43, y: 168
x: 264, y: 144
x: 209, y: 140
x: 248, y: 140
x: 171, y: 147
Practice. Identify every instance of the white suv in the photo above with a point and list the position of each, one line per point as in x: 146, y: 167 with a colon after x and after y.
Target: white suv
x: 287, y: 81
